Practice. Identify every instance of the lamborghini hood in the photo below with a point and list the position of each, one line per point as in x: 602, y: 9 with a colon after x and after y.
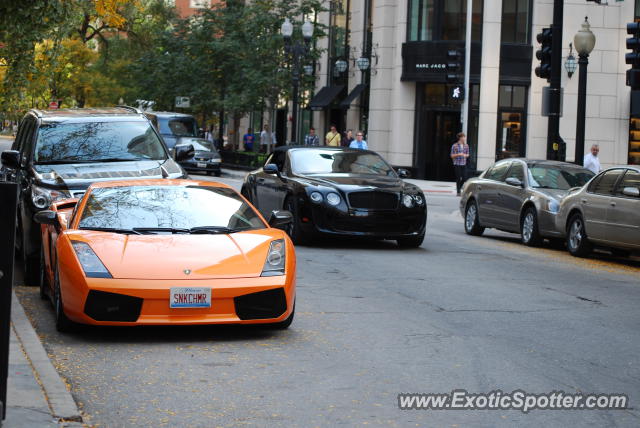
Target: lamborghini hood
x: 178, y: 256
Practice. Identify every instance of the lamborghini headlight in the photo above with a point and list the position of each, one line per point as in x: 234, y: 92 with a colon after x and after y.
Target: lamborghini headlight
x: 91, y: 264
x: 276, y: 257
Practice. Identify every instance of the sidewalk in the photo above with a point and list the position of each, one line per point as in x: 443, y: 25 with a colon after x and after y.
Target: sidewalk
x: 36, y: 395
x: 445, y: 188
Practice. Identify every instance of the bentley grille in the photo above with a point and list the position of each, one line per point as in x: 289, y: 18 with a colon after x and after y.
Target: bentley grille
x: 373, y: 200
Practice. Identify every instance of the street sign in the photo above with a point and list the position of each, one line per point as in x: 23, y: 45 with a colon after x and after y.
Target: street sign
x: 53, y: 105
x: 183, y: 102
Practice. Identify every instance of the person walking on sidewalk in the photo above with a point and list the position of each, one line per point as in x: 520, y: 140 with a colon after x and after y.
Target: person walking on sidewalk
x: 333, y: 137
x: 359, y: 143
x: 311, y: 139
x: 459, y: 156
x: 591, y: 161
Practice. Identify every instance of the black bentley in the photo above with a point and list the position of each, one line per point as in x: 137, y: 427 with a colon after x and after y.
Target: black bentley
x: 339, y: 191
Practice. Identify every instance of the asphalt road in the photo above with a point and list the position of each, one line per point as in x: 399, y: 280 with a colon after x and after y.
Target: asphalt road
x: 372, y: 321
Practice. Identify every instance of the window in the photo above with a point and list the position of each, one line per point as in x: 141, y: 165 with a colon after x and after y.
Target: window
x: 516, y: 171
x: 498, y: 171
x: 515, y: 21
x: 199, y: 4
x: 630, y: 179
x: 338, y: 40
x: 634, y: 141
x: 512, y: 101
x: 443, y: 20
x: 607, y: 182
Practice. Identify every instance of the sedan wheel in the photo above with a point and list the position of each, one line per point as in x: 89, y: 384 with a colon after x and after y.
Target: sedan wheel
x: 471, y: 222
x: 529, y: 228
x: 577, y: 242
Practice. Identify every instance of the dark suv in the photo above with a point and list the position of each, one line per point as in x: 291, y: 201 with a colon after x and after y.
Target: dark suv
x: 57, y: 154
x: 173, y: 126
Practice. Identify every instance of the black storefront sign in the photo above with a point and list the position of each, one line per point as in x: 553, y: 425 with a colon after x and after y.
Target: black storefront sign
x: 428, y: 61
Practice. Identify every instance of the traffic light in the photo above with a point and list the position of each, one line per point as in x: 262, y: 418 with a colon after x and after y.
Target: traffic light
x: 454, y: 65
x: 544, y: 54
x: 633, y: 58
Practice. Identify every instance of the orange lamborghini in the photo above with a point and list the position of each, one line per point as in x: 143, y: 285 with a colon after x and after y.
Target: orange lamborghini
x: 166, y: 252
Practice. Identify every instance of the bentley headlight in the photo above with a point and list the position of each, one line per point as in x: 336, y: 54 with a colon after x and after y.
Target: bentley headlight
x: 333, y: 199
x: 553, y: 206
x: 316, y: 197
x: 43, y: 198
x: 407, y: 201
x: 419, y: 200
x: 275, y: 263
x: 91, y: 264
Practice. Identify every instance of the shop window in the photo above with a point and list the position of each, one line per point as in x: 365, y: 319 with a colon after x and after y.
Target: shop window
x: 515, y: 21
x: 443, y: 20
x: 511, y: 121
x: 634, y: 141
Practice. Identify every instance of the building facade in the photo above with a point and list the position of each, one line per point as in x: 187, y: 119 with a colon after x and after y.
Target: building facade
x: 408, y: 98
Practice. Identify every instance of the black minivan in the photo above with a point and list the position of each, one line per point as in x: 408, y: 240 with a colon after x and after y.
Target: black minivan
x: 57, y: 154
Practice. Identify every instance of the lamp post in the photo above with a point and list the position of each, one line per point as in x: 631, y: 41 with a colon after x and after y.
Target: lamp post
x: 584, y: 42
x: 296, y: 51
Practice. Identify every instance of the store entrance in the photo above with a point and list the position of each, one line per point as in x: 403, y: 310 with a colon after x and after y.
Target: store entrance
x: 440, y: 134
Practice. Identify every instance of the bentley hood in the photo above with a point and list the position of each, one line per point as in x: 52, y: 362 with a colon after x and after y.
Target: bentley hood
x: 351, y: 181
x: 180, y: 256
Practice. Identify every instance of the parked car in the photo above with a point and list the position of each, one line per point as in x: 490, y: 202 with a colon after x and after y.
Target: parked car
x: 58, y: 153
x: 148, y: 252
x: 339, y: 191
x: 520, y: 196
x: 605, y: 213
x: 205, y: 157
x: 172, y: 126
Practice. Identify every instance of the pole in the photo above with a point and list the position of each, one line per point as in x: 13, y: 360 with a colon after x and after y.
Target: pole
x: 583, y: 61
x: 553, y: 128
x: 296, y: 82
x: 467, y: 68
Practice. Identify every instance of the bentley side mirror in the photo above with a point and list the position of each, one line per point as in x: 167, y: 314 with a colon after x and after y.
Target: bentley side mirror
x: 634, y: 192
x: 46, y: 217
x: 183, y: 153
x: 280, y: 218
x: 271, y: 168
x: 512, y: 181
x: 11, y: 159
x: 403, y: 173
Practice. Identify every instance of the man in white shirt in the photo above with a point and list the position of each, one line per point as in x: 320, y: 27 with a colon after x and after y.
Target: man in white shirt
x: 591, y: 161
x: 266, y: 140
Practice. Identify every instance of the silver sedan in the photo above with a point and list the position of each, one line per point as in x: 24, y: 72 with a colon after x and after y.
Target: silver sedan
x: 605, y: 212
x: 521, y: 196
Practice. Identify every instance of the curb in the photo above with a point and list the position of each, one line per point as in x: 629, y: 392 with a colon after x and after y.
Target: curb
x: 62, y: 405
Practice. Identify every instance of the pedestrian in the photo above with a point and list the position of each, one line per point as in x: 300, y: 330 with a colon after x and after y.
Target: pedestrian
x: 359, y: 142
x: 459, y: 156
x: 348, y: 139
x: 333, y: 137
x: 209, y: 134
x: 248, y: 140
x: 266, y: 140
x: 591, y: 161
x: 311, y: 139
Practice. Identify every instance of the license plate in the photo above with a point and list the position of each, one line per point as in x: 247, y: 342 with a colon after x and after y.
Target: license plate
x: 187, y: 297
x: 202, y: 164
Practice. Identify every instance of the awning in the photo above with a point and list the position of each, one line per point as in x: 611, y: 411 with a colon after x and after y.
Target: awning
x: 355, y: 93
x: 325, y: 96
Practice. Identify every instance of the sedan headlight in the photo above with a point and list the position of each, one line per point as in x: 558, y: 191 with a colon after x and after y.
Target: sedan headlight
x: 275, y: 263
x: 316, y: 197
x: 333, y: 199
x: 407, y: 201
x: 43, y: 198
x: 91, y: 264
x: 553, y: 206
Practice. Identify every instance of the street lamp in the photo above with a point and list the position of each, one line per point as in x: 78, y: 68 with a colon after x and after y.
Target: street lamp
x: 584, y: 41
x: 296, y: 51
x: 570, y: 64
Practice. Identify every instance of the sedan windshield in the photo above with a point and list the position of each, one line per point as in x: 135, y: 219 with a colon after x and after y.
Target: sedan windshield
x: 319, y: 161
x: 168, y: 209
x: 555, y: 177
x: 97, y: 141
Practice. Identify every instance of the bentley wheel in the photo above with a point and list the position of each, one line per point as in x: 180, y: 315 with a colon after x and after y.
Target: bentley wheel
x: 529, y: 233
x: 471, y: 220
x: 293, y: 229
x: 577, y: 241
x: 43, y: 283
x: 411, y: 241
x: 63, y: 324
